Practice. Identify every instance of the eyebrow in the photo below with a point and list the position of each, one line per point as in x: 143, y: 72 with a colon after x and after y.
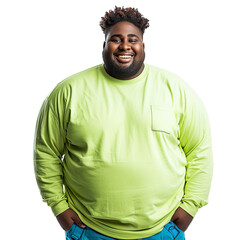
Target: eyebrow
x: 129, y: 35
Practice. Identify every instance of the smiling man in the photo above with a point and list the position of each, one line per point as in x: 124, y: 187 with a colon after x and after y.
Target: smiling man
x: 123, y: 149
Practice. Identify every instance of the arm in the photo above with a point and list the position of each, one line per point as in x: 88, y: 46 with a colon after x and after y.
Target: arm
x: 195, y: 140
x: 48, y: 151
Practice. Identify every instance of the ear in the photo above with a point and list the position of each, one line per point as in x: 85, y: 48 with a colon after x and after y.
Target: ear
x: 143, y: 46
x: 104, y: 44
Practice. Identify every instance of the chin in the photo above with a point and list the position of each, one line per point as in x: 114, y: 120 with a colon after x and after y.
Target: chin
x: 122, y: 70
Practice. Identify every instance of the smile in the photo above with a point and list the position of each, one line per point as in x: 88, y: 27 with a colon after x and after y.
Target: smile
x: 124, y: 58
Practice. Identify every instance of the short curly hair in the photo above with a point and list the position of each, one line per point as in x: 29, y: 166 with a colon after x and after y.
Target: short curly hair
x: 121, y: 14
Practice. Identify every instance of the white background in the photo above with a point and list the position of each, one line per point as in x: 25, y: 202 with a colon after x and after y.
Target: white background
x: 43, y: 42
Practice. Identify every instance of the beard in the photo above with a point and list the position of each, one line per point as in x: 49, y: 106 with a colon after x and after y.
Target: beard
x: 122, y: 72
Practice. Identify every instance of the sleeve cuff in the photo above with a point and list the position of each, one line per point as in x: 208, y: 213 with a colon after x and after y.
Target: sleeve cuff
x: 189, y: 207
x: 60, y: 207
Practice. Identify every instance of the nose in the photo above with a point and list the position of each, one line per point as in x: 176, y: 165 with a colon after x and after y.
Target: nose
x: 124, y: 45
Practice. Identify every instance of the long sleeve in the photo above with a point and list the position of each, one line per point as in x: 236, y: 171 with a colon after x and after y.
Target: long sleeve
x: 195, y: 140
x: 48, y: 153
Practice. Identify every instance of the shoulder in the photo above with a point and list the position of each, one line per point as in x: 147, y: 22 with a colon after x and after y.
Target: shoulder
x: 76, y: 81
x: 169, y: 80
x: 173, y: 83
x: 82, y: 76
x: 166, y: 76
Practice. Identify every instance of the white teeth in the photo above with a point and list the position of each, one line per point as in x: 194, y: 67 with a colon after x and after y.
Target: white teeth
x: 124, y: 56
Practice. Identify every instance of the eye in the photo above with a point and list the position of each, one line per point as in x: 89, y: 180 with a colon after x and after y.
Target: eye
x: 133, y: 40
x: 115, y: 40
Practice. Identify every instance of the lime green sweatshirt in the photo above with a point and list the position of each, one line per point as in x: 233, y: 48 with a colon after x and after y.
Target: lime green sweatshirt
x: 123, y: 154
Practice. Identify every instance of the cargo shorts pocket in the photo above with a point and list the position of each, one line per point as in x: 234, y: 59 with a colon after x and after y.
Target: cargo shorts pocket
x: 174, y: 232
x: 75, y: 233
x: 162, y: 120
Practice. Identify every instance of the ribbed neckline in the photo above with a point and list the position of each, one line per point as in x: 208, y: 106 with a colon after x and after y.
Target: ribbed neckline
x: 126, y: 82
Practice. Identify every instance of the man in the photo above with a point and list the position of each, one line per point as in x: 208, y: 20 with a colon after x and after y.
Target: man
x: 129, y: 142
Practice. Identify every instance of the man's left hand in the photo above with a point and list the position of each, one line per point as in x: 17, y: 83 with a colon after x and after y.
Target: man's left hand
x: 182, y: 219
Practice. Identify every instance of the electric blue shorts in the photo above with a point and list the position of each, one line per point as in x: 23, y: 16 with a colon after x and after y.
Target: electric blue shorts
x: 169, y: 232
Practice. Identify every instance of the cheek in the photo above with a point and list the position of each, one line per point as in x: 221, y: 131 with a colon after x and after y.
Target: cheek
x: 107, y: 53
x: 138, y: 48
x: 111, y: 47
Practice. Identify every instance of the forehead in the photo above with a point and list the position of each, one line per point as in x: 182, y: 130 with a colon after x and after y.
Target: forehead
x: 124, y: 29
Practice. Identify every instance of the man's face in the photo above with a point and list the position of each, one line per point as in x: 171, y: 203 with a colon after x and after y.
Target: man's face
x: 123, y: 51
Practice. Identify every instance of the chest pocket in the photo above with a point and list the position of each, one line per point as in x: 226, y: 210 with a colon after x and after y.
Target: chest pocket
x: 163, y: 120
